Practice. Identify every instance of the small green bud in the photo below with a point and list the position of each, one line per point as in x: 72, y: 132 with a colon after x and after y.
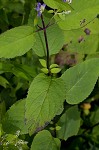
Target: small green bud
x: 51, y: 128
x: 43, y: 62
x: 58, y: 128
x: 54, y: 66
x: 86, y: 112
x: 44, y: 70
x: 50, y: 11
x: 55, y: 70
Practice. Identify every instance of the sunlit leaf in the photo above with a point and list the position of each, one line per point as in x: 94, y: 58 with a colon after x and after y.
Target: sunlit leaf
x: 84, y: 40
x: 55, y: 70
x: 84, y: 12
x: 58, y: 4
x: 80, y: 80
x: 53, y: 66
x: 43, y: 62
x: 16, y: 42
x: 44, y: 70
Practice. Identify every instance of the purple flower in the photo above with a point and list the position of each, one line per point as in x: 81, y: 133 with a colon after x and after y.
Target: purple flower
x: 40, y: 8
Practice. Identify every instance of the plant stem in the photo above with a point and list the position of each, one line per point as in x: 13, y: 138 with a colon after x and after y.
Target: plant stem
x: 46, y: 42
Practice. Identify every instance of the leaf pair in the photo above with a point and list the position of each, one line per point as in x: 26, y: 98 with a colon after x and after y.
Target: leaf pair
x: 54, y: 68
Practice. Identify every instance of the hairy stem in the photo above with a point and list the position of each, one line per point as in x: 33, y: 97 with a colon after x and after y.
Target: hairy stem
x: 46, y: 42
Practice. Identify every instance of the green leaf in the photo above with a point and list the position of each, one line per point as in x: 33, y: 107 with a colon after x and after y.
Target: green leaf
x: 80, y: 80
x: 57, y: 4
x: 2, y: 110
x: 45, y: 141
x: 43, y: 62
x: 69, y: 123
x: 55, y: 70
x: 79, y: 5
x: 51, y: 11
x: 54, y: 66
x: 44, y: 70
x: 3, y: 82
x: 58, y: 128
x: 5, y: 67
x: 95, y: 135
x: 32, y: 18
x: 16, y: 42
x: 20, y: 70
x: 44, y: 101
x: 24, y: 71
x: 29, y: 71
x: 89, y: 43
x: 88, y: 46
x: 14, y: 119
x: 55, y: 41
x: 11, y: 137
x: 95, y: 117
x: 1, y: 130
x: 83, y: 10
